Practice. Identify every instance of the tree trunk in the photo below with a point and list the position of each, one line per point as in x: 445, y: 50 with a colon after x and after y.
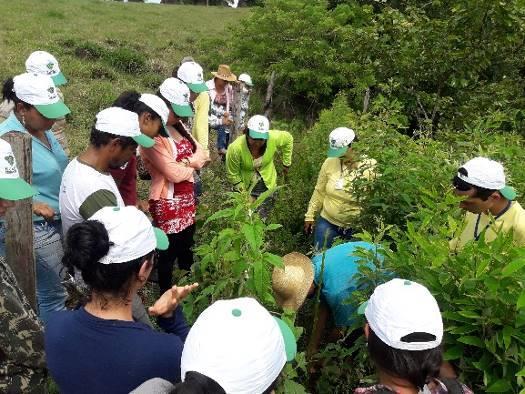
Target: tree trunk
x: 269, y: 93
x: 235, y: 112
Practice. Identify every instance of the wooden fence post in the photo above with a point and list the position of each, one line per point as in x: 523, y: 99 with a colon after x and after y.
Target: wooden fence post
x: 269, y: 97
x: 19, y: 221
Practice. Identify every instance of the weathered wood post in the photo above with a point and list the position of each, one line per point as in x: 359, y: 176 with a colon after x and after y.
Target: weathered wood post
x: 269, y: 97
x: 19, y: 221
x: 235, y: 112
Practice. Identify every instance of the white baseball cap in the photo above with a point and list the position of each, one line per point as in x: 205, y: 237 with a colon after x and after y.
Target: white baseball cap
x: 12, y: 187
x: 119, y: 121
x: 191, y: 74
x: 178, y: 94
x: 42, y: 62
x: 40, y: 91
x: 238, y: 344
x: 130, y: 232
x: 156, y: 104
x: 339, y: 140
x: 402, y: 313
x: 488, y: 174
x: 246, y: 79
x: 259, y: 127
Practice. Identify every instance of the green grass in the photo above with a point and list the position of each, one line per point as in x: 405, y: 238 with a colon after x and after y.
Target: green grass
x: 106, y: 47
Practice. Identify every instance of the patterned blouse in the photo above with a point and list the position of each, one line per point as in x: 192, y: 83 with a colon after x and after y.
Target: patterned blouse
x: 437, y: 387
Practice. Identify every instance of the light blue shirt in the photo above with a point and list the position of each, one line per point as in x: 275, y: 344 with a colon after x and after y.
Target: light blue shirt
x: 48, y: 164
x: 340, y: 266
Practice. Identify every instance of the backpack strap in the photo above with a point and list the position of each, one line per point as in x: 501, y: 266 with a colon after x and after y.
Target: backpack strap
x: 453, y: 386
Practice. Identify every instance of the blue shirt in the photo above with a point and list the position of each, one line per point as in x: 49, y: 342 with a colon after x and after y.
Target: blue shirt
x: 340, y: 266
x: 86, y: 354
x: 48, y: 164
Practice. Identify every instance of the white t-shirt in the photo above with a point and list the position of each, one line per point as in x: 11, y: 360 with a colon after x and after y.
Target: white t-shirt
x: 83, y: 191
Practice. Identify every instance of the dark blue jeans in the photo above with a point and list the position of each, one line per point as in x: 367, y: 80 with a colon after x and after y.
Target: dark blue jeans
x: 223, y: 138
x: 325, y: 233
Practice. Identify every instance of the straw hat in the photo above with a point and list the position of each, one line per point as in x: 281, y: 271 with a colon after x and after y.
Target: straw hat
x: 291, y: 285
x: 224, y: 73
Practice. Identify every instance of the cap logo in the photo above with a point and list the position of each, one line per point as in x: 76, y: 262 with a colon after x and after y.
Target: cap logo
x: 261, y: 125
x: 186, y: 97
x: 11, y: 169
x: 236, y: 312
x: 50, y: 65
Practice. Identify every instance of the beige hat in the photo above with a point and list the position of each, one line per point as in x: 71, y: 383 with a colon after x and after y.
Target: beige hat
x: 224, y: 72
x: 291, y: 285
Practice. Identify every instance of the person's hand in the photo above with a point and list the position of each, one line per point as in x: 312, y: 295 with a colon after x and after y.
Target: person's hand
x: 5, y: 205
x: 44, y: 210
x: 309, y: 226
x: 143, y: 205
x: 226, y: 120
x: 171, y: 298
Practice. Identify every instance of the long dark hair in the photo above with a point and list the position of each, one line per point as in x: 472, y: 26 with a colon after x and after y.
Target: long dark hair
x: 86, y: 243
x: 179, y: 126
x: 417, y: 367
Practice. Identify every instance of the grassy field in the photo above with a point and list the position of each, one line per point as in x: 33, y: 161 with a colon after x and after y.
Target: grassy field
x: 105, y: 47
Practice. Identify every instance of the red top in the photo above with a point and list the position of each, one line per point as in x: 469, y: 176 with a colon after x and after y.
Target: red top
x: 126, y: 180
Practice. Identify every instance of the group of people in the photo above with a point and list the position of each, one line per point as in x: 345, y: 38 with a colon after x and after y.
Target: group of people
x: 90, y: 228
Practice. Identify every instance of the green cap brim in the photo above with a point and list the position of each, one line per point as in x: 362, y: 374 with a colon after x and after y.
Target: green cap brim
x: 337, y: 152
x: 182, y: 110
x: 290, y: 344
x: 258, y: 135
x: 162, y: 239
x: 508, y: 192
x: 53, y: 111
x: 362, y: 308
x: 59, y: 79
x: 197, y: 87
x: 16, y: 189
x: 144, y: 140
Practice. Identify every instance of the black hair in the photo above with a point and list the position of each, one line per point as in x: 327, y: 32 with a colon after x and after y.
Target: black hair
x: 417, y: 367
x: 101, y: 138
x: 178, y: 126
x: 86, y: 243
x: 464, y: 186
x: 8, y: 93
x: 130, y: 100
x: 197, y: 383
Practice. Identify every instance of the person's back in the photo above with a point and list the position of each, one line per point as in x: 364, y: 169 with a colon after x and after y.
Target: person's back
x: 87, y: 354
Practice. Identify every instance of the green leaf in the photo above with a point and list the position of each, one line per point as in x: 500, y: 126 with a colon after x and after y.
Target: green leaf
x: 273, y: 259
x: 521, y: 300
x: 521, y: 372
x: 469, y: 314
x: 249, y: 233
x: 219, y: 215
x: 471, y: 340
x: 273, y: 226
x: 453, y: 353
x: 512, y: 267
x: 258, y: 277
x: 507, y: 332
x: 291, y: 387
x: 500, y: 386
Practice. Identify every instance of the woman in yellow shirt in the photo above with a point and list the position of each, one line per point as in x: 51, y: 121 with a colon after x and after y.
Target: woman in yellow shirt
x: 332, y: 196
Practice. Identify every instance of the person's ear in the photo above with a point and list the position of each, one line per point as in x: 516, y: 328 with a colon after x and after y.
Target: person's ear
x: 145, y: 270
x: 115, y: 145
x: 366, y: 328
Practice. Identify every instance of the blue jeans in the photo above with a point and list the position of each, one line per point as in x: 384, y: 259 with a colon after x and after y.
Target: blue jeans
x: 223, y: 138
x: 325, y: 233
x: 51, y: 295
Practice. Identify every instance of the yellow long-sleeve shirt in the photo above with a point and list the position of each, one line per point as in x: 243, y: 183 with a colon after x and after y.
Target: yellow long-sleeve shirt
x: 200, y: 130
x: 513, y: 219
x: 332, y: 196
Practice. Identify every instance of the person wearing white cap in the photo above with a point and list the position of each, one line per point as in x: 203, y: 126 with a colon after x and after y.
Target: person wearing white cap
x: 191, y: 74
x: 87, y: 184
x: 23, y: 360
x: 171, y: 164
x: 99, y: 348
x: 250, y: 158
x: 246, y: 88
x: 489, y: 202
x: 332, y: 198
x: 404, y: 332
x: 153, y: 116
x: 37, y: 106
